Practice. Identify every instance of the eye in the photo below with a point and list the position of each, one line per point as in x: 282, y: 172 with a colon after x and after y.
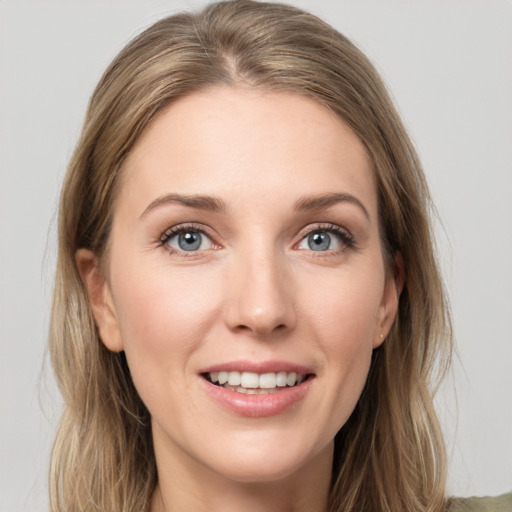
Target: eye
x: 332, y: 238
x: 319, y: 241
x: 187, y: 239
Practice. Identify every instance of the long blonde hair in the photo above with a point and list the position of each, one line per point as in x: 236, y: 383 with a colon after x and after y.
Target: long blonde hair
x: 389, y: 456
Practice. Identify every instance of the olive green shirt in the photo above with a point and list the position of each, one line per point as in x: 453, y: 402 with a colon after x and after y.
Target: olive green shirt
x: 501, y: 503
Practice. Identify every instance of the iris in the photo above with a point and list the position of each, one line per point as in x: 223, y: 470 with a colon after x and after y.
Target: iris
x: 319, y: 241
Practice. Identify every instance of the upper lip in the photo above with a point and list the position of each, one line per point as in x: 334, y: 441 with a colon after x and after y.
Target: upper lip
x: 257, y: 367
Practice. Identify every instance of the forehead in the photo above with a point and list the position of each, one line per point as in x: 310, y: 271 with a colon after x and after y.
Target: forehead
x: 239, y: 143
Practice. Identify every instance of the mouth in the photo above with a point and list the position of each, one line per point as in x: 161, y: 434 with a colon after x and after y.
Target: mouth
x: 257, y: 389
x: 251, y: 383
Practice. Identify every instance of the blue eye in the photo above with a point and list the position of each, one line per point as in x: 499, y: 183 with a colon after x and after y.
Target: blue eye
x: 188, y: 240
x: 330, y: 238
x: 319, y: 241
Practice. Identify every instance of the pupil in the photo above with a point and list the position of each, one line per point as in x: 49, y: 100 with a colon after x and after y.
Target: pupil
x: 319, y: 241
x: 189, y: 241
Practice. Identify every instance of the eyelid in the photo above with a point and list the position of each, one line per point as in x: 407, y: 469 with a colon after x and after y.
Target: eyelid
x: 345, y: 237
x: 173, y: 231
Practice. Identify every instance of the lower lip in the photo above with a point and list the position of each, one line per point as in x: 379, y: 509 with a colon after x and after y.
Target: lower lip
x: 258, y: 406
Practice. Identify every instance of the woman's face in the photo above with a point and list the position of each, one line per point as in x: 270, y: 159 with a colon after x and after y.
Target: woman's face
x: 245, y: 246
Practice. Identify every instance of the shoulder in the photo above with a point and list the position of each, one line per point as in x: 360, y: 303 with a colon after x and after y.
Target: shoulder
x: 501, y: 503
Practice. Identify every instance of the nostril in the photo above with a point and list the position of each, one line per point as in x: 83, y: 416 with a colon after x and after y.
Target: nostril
x: 243, y: 328
x: 259, y: 310
x: 262, y: 330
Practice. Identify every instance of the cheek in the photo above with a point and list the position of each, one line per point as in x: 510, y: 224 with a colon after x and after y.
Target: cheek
x: 162, y: 316
x: 343, y: 317
x: 345, y: 307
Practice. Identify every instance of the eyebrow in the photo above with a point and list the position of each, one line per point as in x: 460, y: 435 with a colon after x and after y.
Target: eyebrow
x: 323, y: 201
x: 214, y: 204
x: 208, y: 203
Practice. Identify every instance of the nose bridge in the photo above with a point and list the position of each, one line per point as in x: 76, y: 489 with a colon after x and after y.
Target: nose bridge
x: 259, y: 298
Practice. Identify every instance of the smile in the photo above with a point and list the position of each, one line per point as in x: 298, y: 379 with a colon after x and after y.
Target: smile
x: 252, y: 383
x: 257, y: 389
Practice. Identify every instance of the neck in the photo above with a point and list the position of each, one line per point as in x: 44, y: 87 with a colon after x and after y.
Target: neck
x: 191, y: 486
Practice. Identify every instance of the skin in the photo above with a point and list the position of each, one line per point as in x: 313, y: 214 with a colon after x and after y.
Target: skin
x: 254, y: 291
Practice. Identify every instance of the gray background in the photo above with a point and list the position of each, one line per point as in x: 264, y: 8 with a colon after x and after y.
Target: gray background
x: 449, y: 66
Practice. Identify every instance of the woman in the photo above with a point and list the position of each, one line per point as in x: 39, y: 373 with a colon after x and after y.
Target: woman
x: 248, y: 309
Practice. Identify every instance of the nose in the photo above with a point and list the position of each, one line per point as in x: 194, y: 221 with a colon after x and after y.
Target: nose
x: 260, y: 296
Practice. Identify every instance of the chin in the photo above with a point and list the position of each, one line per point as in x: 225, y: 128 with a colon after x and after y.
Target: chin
x: 244, y: 473
x: 258, y: 461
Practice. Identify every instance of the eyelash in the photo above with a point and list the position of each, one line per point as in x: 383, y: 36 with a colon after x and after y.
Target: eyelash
x: 177, y: 230
x: 345, y: 238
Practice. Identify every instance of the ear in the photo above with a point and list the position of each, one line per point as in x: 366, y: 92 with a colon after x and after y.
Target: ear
x: 100, y: 299
x: 388, y: 309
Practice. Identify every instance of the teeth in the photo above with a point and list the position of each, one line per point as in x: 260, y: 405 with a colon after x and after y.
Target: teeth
x: 250, y: 380
x: 267, y: 381
x: 252, y: 383
x: 234, y: 379
x: 281, y: 379
x: 290, y: 380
